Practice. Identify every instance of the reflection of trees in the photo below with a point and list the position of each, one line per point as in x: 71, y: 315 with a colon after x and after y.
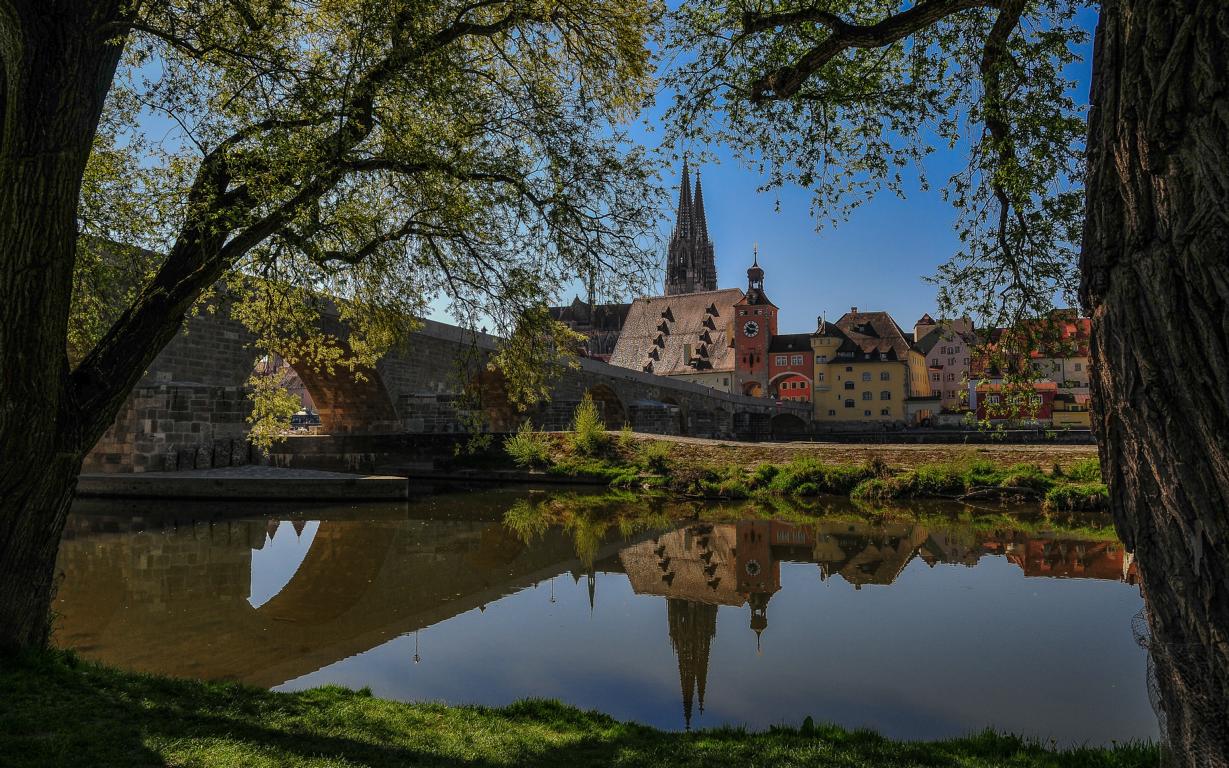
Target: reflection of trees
x: 590, y: 520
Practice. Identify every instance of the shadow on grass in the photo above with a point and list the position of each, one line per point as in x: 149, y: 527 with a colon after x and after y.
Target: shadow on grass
x: 58, y: 711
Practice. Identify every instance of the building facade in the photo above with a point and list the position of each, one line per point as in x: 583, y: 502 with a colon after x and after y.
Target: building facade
x: 791, y: 364
x: 755, y: 325
x: 947, y: 347
x: 866, y: 370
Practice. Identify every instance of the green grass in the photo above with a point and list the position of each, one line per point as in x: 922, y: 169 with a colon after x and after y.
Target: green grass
x: 59, y: 711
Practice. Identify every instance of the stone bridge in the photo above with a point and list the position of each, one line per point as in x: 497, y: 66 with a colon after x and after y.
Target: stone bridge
x: 190, y: 408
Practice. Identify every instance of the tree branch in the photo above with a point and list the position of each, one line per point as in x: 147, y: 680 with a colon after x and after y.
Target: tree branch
x: 786, y: 81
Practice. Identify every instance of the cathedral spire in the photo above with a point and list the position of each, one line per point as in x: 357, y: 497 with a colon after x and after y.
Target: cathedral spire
x: 683, y: 217
x: 690, y: 263
x: 701, y: 222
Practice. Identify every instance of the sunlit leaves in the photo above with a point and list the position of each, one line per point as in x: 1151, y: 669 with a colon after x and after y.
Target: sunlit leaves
x: 384, y: 155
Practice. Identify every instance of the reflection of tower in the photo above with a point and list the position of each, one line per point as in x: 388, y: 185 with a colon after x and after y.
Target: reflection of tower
x: 759, y: 573
x: 693, y: 626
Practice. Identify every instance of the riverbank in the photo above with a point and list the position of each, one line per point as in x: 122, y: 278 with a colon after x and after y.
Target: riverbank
x: 1062, y: 481
x: 59, y: 710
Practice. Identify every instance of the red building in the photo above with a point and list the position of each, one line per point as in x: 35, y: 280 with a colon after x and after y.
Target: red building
x: 1025, y: 401
x: 791, y: 363
x: 755, y: 324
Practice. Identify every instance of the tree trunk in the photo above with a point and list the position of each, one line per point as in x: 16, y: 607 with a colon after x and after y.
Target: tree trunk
x: 56, y: 66
x: 1155, y: 266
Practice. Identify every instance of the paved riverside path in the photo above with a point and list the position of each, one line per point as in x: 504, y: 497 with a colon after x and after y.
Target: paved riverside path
x: 247, y: 482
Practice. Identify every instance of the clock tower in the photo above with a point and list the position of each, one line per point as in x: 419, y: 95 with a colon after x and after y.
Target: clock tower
x: 755, y: 323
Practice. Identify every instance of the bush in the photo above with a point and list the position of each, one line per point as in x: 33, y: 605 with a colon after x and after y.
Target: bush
x: 808, y: 477
x: 1085, y: 471
x: 885, y: 488
x: 528, y: 448
x: 763, y: 475
x: 655, y: 457
x: 1077, y: 497
x: 939, y: 480
x: 627, y: 438
x: 589, y: 436
x: 1026, y: 476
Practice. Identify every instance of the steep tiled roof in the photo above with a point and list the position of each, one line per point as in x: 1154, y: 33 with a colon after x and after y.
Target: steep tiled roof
x: 604, y: 316
x: 790, y: 342
x: 875, y: 333
x: 659, y: 330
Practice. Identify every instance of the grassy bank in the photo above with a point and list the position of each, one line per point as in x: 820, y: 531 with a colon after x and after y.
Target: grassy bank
x: 59, y: 711
x: 622, y: 459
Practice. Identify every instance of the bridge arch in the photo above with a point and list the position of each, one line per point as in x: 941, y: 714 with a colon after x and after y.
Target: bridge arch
x: 679, y: 417
x: 788, y: 425
x: 609, y: 405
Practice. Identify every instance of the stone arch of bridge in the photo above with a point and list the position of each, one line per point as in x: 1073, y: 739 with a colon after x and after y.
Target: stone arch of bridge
x: 680, y: 418
x: 609, y: 405
x: 788, y: 425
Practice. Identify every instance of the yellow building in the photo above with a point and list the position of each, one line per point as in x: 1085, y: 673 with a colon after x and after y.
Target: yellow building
x: 867, y: 371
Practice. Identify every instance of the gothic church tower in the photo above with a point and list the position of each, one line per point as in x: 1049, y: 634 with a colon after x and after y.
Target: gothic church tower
x: 690, y: 265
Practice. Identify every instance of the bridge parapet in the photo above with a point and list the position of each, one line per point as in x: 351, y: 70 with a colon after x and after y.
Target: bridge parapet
x: 191, y: 407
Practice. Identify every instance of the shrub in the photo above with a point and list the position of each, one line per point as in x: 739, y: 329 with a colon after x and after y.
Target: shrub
x: 589, y: 436
x: 655, y: 457
x: 763, y: 475
x: 528, y: 448
x: 627, y: 438
x: 817, y: 478
x: 939, y: 479
x: 1026, y: 476
x: 1077, y: 497
x: 1085, y: 471
x: 885, y: 488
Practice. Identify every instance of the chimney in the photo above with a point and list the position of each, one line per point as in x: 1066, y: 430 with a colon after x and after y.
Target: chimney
x: 854, y: 310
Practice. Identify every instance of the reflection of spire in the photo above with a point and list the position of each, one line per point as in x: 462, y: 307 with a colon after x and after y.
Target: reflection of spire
x: 299, y: 525
x: 592, y: 589
x: 692, y: 629
x: 759, y: 615
x: 271, y: 528
x: 417, y: 658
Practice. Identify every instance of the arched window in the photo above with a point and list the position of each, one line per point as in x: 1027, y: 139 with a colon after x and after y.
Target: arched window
x: 867, y: 395
x: 884, y: 375
x: 849, y: 385
x: 866, y: 376
x: 885, y: 395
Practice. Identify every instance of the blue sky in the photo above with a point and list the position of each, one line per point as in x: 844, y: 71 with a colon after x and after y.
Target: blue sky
x: 875, y: 260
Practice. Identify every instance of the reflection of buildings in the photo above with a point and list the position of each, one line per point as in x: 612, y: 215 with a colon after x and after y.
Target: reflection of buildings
x: 175, y: 599
x: 693, y: 626
x: 704, y: 565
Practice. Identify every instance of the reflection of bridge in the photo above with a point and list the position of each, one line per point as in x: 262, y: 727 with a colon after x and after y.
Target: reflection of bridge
x: 189, y: 409
x: 175, y: 599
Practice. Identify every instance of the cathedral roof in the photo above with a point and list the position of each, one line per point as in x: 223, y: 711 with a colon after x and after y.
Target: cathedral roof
x: 660, y: 330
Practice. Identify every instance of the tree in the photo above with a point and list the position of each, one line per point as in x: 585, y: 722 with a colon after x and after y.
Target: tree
x: 376, y: 153
x: 840, y: 95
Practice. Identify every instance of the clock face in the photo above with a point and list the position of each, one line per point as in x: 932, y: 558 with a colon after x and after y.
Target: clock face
x: 751, y: 328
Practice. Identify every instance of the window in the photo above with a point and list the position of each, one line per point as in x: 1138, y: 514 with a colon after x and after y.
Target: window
x: 849, y: 385
x: 802, y: 385
x: 883, y: 412
x: 780, y: 359
x: 885, y: 395
x: 849, y: 369
x: 934, y: 361
x: 820, y: 377
x: 956, y: 350
x: 849, y: 403
x: 726, y: 381
x: 866, y: 376
x: 993, y: 399
x: 796, y: 360
x: 935, y: 377
x: 866, y: 413
x: 1079, y: 366
x: 966, y: 361
x: 742, y: 312
x: 951, y: 361
x: 885, y: 375
x: 867, y: 395
x: 831, y: 412
x: 821, y: 359
x: 951, y: 377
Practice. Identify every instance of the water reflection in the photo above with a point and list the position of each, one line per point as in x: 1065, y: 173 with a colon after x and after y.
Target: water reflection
x: 470, y: 587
